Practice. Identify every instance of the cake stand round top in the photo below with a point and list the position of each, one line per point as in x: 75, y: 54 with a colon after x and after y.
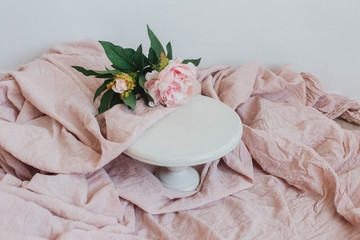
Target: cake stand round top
x: 198, y: 132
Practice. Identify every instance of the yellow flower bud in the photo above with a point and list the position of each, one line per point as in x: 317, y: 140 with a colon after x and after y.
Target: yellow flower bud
x: 130, y: 83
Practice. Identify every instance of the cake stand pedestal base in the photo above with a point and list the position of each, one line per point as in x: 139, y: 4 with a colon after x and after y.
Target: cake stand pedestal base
x: 179, y: 178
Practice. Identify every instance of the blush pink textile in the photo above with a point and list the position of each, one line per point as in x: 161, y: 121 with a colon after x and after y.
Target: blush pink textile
x: 294, y: 175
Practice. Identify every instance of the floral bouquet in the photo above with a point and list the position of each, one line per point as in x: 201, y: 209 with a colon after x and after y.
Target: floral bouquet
x: 157, y: 78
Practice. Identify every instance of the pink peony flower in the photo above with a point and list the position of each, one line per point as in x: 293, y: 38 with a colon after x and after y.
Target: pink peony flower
x: 174, y: 85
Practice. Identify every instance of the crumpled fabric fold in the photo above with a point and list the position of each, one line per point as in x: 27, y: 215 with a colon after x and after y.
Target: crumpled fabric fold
x: 63, y: 175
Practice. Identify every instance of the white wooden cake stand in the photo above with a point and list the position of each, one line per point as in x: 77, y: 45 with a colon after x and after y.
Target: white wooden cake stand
x: 198, y: 132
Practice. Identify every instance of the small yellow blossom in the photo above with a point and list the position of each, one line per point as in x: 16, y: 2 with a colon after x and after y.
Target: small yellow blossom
x: 110, y: 85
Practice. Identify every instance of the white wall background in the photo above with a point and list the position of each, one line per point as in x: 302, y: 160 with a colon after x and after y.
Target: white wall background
x: 317, y: 36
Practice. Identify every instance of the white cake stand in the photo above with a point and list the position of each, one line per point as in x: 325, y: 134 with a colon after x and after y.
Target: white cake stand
x: 198, y: 132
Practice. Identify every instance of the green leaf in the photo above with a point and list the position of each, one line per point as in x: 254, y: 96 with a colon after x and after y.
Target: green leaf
x: 146, y: 61
x: 155, y: 43
x: 116, y: 100
x: 107, y: 71
x: 120, y: 69
x: 129, y: 52
x: 117, y: 55
x: 139, y: 58
x: 142, y: 81
x: 102, y: 88
x: 105, y: 101
x: 164, y: 62
x: 152, y: 56
x: 147, y: 69
x: 85, y: 71
x: 194, y: 61
x: 169, y: 50
x: 112, y: 72
x: 97, y: 74
x: 130, y: 101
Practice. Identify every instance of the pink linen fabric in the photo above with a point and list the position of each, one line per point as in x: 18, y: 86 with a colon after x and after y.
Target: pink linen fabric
x: 294, y: 175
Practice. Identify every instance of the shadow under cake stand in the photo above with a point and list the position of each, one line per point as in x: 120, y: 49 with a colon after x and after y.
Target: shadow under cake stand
x: 199, y: 132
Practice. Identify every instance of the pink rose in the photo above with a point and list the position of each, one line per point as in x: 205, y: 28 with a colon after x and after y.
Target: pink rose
x: 119, y: 86
x: 174, y: 85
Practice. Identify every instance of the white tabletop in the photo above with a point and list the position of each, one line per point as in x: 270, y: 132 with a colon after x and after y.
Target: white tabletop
x: 198, y: 132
